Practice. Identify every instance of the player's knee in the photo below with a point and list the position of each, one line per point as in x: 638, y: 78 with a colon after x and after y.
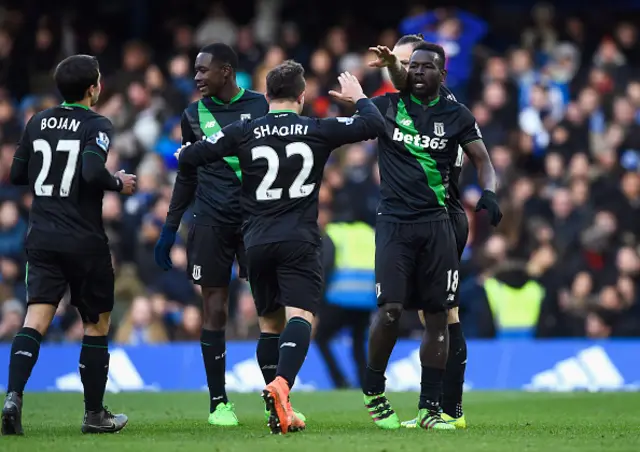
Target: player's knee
x: 391, y: 313
x: 297, y: 312
x: 215, y: 308
x: 452, y: 316
x: 39, y: 317
x: 435, y: 322
x: 101, y: 328
x: 273, y: 322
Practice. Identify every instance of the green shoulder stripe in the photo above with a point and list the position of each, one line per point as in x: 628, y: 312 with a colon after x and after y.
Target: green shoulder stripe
x: 210, y: 126
x: 405, y: 123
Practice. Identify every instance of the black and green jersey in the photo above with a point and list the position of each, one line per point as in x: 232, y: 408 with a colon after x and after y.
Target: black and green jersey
x: 416, y: 155
x: 216, y: 186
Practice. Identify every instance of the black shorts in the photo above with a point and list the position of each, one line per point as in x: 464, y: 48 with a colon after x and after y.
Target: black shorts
x: 285, y: 274
x: 416, y: 265
x: 460, y: 224
x: 89, y: 278
x: 211, y: 251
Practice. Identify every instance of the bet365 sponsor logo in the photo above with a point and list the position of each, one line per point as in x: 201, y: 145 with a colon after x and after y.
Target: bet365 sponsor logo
x: 421, y: 141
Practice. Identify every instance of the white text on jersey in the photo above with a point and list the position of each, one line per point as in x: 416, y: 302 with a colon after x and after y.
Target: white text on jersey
x: 282, y: 131
x: 423, y: 141
x: 59, y: 123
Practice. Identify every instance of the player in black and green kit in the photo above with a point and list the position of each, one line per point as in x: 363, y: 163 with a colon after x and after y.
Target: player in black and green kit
x: 416, y: 252
x: 215, y: 239
x: 456, y: 364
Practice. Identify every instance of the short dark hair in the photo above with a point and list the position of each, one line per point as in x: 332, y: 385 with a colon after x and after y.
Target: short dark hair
x: 410, y: 39
x: 222, y: 53
x: 74, y: 75
x: 286, y: 81
x: 431, y: 47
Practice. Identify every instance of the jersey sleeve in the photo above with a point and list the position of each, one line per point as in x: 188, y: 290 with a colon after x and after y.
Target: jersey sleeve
x: 98, y: 138
x: 366, y: 125
x: 188, y: 135
x: 94, y: 156
x: 381, y: 103
x: 214, y: 148
x: 470, y: 131
x: 19, y: 174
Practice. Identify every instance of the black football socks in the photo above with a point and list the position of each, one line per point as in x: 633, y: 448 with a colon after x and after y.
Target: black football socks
x: 454, y: 374
x: 294, y: 344
x: 267, y: 354
x: 213, y: 348
x: 434, y: 350
x: 94, y: 370
x: 382, y: 338
x: 24, y: 354
x: 430, y: 388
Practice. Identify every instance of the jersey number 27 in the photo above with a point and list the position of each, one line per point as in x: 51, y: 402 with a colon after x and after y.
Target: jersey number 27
x: 298, y: 188
x: 72, y: 147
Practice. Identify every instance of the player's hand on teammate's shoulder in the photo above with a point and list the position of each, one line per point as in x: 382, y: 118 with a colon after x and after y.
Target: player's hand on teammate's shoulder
x: 350, y: 89
x: 384, y: 57
x: 128, y: 182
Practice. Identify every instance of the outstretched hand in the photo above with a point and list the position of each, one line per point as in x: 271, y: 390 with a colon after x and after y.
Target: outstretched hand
x: 350, y: 89
x: 384, y: 57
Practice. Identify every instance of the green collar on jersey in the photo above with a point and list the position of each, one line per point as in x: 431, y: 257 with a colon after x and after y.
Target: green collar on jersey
x: 430, y: 104
x: 65, y: 104
x: 233, y: 99
x: 283, y: 111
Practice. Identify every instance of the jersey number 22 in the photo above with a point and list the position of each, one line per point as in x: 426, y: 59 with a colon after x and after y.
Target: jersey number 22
x: 72, y: 147
x: 298, y: 188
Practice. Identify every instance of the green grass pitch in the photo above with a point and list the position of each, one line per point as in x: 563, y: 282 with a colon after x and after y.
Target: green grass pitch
x: 337, y: 422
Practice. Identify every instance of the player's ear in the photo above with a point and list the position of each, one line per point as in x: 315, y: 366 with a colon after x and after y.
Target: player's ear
x: 300, y: 98
x: 443, y: 75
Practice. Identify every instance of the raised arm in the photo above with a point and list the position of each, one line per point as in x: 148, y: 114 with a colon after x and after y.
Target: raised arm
x: 367, y: 124
x: 385, y: 58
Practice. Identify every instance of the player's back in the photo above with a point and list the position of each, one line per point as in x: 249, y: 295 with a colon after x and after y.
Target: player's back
x: 282, y: 157
x: 66, y: 213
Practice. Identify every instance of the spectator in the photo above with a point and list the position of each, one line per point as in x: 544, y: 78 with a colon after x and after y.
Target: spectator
x: 141, y: 326
x: 558, y: 106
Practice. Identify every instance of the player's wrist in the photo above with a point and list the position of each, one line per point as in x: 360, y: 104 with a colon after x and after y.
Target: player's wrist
x: 170, y: 227
x: 361, y: 100
x: 118, y: 184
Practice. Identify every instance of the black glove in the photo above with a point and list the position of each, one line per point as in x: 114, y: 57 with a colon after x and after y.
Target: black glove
x: 489, y: 202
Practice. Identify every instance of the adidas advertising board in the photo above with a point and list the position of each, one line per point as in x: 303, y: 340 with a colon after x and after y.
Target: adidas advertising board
x: 573, y: 365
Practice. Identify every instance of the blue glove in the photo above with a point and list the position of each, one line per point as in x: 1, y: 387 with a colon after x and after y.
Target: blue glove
x: 162, y: 250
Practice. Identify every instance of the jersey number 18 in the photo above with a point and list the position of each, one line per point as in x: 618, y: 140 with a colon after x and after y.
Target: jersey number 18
x: 298, y: 188
x: 72, y: 147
